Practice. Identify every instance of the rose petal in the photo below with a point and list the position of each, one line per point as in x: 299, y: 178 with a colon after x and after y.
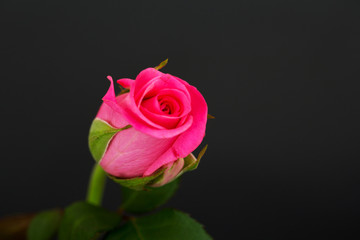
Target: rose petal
x: 126, y: 82
x: 181, y: 99
x: 144, y: 77
x: 165, y: 121
x: 110, y: 116
x: 152, y: 105
x: 133, y: 114
x: 191, y: 139
x: 131, y: 152
x: 177, y: 103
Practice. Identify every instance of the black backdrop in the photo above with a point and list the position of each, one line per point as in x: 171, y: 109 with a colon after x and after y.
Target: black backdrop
x: 281, y: 77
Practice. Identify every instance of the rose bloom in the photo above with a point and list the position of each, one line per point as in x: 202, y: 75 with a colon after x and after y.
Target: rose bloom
x: 167, y: 117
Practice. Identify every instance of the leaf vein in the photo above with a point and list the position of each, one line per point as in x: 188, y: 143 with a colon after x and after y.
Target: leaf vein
x: 137, y: 229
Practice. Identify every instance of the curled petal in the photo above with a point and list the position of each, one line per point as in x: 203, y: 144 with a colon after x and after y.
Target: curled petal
x: 126, y: 82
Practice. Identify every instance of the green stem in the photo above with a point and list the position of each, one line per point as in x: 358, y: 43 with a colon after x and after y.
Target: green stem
x: 96, y: 186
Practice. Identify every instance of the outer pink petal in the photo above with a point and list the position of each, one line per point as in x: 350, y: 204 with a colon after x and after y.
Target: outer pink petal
x: 131, y: 152
x: 112, y: 117
x: 110, y: 98
x: 189, y: 140
x: 145, y: 76
x: 167, y: 157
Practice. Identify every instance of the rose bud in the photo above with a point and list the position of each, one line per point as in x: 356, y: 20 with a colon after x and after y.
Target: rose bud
x: 146, y: 135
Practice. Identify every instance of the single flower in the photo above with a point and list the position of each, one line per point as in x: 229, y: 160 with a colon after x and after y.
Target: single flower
x: 147, y: 134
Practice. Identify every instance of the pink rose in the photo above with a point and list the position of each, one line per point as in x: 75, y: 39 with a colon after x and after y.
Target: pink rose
x: 156, y: 124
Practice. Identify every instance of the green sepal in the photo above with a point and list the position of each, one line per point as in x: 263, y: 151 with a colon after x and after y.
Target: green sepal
x: 138, y: 183
x: 84, y: 221
x: 144, y: 201
x: 209, y: 116
x: 44, y: 225
x: 100, y: 136
x: 163, y: 225
x: 124, y: 90
x: 162, y: 64
x: 191, y: 163
x: 164, y: 178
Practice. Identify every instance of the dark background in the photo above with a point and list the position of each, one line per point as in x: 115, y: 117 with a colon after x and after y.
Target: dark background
x: 281, y: 77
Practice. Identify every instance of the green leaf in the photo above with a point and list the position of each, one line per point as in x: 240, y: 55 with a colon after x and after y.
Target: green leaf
x: 83, y: 221
x: 137, y: 183
x: 44, y: 225
x: 100, y: 135
x: 149, y: 199
x: 166, y: 224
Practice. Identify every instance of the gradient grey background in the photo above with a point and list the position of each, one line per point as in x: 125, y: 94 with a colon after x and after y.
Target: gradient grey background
x: 281, y: 77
